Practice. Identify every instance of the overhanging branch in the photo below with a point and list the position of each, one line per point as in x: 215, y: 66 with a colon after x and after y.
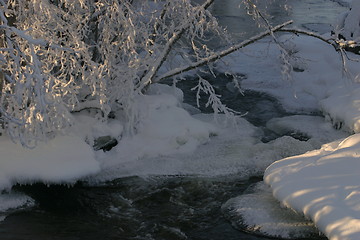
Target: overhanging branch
x: 311, y: 34
x: 150, y: 75
x: 221, y: 54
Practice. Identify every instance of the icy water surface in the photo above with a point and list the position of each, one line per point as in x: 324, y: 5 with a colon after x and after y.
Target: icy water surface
x: 314, y: 15
x: 169, y: 208
x: 257, y: 107
x: 166, y: 207
x: 130, y: 208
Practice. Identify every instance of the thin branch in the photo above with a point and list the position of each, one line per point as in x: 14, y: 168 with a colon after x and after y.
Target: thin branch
x: 331, y: 42
x: 221, y: 54
x: 149, y: 76
x: 311, y: 34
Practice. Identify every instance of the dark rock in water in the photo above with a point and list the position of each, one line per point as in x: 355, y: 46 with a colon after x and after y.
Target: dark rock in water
x: 297, y: 69
x: 106, y: 143
x: 111, y: 115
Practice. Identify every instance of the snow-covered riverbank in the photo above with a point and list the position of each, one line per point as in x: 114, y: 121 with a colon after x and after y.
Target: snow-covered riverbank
x: 323, y: 184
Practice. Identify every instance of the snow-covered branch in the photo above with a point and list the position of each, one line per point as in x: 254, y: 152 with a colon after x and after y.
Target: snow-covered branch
x: 221, y: 54
x: 64, y: 56
x: 214, y: 99
x: 297, y: 31
x: 148, y: 78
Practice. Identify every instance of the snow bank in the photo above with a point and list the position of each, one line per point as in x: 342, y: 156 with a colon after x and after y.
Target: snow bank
x: 61, y: 160
x: 318, y: 83
x: 317, y: 68
x: 343, y: 106
x: 314, y: 128
x: 230, y: 150
x: 258, y: 211
x: 164, y: 128
x: 324, y: 185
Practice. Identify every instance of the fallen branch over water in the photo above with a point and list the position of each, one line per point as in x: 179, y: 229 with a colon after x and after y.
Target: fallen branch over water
x: 221, y: 54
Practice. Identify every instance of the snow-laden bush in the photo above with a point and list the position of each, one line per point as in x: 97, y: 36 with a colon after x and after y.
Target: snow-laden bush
x: 59, y: 56
x: 63, y: 56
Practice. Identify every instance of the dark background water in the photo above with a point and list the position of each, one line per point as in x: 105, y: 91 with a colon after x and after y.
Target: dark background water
x: 162, y: 207
x: 129, y: 208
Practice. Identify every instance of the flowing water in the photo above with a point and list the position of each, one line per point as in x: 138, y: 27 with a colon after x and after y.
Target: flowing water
x: 165, y: 207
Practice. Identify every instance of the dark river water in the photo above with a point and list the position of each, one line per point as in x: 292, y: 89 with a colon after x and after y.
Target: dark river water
x: 164, y: 207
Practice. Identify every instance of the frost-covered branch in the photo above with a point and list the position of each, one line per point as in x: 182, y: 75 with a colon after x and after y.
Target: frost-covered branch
x: 221, y: 54
x: 67, y: 55
x: 339, y: 46
x: 214, y: 99
x: 297, y: 31
x: 43, y: 62
x: 148, y: 78
x: 63, y: 56
x: 259, y: 16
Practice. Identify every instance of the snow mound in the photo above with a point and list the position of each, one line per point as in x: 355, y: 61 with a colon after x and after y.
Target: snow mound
x: 61, y: 160
x: 343, y: 107
x: 257, y: 211
x: 312, y: 127
x: 231, y: 150
x: 324, y: 185
x: 164, y: 128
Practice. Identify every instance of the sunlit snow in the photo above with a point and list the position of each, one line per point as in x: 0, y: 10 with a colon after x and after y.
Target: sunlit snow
x: 62, y: 160
x: 258, y: 211
x: 322, y: 184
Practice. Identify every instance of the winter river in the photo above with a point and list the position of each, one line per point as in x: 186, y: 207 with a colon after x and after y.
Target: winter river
x: 176, y: 207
